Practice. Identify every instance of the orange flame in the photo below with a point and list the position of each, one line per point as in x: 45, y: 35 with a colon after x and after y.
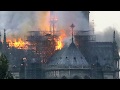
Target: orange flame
x: 43, y: 21
x: 59, y: 41
x: 17, y: 43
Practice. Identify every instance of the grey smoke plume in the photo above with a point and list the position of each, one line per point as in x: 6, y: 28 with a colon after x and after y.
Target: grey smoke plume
x: 107, y: 36
x: 66, y: 18
x: 13, y: 19
x: 18, y: 23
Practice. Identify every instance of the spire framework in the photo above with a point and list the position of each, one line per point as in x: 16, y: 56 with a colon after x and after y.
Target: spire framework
x: 72, y: 26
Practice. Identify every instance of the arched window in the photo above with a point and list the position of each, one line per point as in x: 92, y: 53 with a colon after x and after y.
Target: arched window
x: 64, y: 77
x: 75, y: 59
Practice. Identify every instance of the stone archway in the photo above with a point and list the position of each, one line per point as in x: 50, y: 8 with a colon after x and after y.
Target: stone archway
x: 64, y: 77
x: 86, y: 77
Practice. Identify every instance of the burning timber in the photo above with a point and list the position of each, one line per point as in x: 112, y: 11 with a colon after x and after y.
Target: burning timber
x: 42, y: 44
x: 38, y: 46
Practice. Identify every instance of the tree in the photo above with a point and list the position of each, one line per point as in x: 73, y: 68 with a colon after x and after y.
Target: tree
x: 8, y: 75
x: 4, y: 73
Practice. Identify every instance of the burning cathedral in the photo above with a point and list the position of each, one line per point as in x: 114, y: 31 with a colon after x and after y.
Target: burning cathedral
x: 44, y: 56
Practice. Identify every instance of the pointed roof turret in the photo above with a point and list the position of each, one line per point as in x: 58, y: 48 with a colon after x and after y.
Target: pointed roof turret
x: 72, y: 26
x: 69, y: 57
x: 4, y: 37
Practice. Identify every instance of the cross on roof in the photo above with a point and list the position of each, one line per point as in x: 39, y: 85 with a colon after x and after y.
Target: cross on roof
x: 72, y: 26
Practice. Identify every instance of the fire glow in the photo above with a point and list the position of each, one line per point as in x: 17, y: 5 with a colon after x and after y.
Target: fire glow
x: 59, y: 41
x: 17, y: 43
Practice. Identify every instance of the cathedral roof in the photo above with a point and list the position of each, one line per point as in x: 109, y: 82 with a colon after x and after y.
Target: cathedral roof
x: 70, y: 56
x: 57, y: 55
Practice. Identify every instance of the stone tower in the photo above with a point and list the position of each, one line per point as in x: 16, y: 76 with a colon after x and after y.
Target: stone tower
x: 86, y: 14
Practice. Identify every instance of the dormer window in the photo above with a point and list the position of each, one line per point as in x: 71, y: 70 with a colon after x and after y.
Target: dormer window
x: 75, y: 59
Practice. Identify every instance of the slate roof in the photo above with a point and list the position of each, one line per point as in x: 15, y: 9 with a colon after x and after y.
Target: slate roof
x: 70, y: 56
x: 103, y: 51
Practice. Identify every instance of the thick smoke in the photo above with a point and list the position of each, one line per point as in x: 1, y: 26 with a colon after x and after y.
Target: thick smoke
x: 107, y: 36
x: 66, y: 18
x: 43, y: 20
x: 18, y: 23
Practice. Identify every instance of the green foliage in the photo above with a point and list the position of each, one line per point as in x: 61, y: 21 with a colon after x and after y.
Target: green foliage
x: 4, y: 68
x: 9, y: 75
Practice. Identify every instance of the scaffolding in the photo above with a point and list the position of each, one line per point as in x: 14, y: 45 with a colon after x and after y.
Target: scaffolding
x: 42, y: 43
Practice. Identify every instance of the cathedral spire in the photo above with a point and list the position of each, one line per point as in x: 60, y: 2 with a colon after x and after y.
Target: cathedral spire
x: 86, y: 15
x: 0, y: 36
x: 72, y: 26
x: 114, y: 36
x: 4, y: 37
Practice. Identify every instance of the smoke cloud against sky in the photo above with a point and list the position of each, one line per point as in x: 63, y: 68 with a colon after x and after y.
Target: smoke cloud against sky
x: 19, y: 22
x: 66, y: 18
x: 14, y: 19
